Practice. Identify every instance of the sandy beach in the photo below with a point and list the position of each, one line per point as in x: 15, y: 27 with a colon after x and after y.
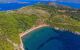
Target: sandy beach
x: 27, y: 31
x: 33, y: 28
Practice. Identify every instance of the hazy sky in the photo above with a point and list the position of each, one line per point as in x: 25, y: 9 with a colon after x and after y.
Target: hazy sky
x: 76, y: 1
x: 8, y: 1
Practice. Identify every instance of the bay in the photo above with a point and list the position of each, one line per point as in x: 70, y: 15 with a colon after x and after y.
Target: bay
x: 48, y: 38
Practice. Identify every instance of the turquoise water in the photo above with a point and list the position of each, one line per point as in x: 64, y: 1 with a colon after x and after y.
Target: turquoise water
x: 47, y: 38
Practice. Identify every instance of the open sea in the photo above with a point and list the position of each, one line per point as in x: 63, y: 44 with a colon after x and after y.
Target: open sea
x: 47, y: 38
x: 15, y: 6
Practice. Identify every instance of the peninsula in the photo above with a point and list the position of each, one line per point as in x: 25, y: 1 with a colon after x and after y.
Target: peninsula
x: 13, y: 24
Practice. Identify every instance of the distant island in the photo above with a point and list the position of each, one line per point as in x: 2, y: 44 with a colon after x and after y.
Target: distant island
x: 14, y: 23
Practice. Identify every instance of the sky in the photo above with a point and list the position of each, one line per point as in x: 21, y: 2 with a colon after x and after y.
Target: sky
x: 5, y: 1
x: 75, y: 1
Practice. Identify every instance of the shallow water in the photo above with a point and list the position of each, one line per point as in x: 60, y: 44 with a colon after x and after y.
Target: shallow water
x: 47, y: 38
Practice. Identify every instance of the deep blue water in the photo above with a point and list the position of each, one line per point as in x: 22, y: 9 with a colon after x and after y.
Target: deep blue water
x: 14, y: 6
x: 72, y: 5
x: 10, y: 6
x: 47, y: 38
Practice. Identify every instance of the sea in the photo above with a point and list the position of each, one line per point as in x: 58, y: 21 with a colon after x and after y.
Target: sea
x: 47, y: 38
x: 15, y: 6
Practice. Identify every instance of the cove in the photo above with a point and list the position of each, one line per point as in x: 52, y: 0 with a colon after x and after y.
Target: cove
x: 47, y: 38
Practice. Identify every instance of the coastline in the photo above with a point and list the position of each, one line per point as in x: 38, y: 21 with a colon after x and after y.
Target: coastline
x: 63, y: 29
x: 33, y: 28
x: 27, y: 31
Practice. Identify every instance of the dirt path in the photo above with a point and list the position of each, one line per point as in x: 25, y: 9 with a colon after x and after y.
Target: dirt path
x: 16, y: 47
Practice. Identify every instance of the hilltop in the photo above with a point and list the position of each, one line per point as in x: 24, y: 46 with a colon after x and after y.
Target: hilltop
x: 12, y: 23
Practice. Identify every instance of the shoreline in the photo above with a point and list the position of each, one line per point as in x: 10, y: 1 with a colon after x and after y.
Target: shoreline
x: 27, y: 31
x: 32, y: 29
x: 63, y: 29
x: 21, y: 44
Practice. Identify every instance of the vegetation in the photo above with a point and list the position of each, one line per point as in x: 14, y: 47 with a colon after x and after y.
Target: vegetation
x: 12, y: 23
